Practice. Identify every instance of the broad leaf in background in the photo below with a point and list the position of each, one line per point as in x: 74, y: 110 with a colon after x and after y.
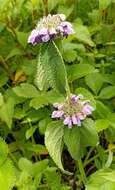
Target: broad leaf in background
x: 102, y: 180
x: 79, y: 71
x: 7, y: 175
x: 46, y: 98
x: 79, y: 137
x: 53, y: 179
x: 101, y: 124
x: 103, y: 4
x: 107, y: 92
x: 88, y: 132
x: 54, y: 141
x: 26, y: 90
x: 51, y: 68
x: 7, y: 111
x: 7, y: 172
x: 72, y: 139
x: 3, y: 151
x: 94, y: 82
x: 1, y: 99
x: 83, y: 34
x: 102, y: 110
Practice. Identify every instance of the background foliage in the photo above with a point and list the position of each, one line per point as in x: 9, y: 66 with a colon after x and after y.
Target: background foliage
x: 26, y: 104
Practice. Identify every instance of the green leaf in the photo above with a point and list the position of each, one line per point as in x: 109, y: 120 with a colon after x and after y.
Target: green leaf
x: 72, y: 139
x: 1, y: 99
x: 39, y: 167
x: 101, y: 124
x: 22, y: 38
x: 7, y: 175
x: 102, y: 109
x: 46, y: 98
x: 32, y: 169
x: 83, y: 35
x: 51, y: 67
x: 26, y: 90
x: 54, y: 141
x: 78, y: 71
x: 7, y: 111
x: 94, y: 81
x: 89, y: 136
x: 3, y: 151
x: 102, y: 180
x: 107, y: 92
x: 79, y: 137
x: 111, y: 119
x: 25, y: 164
x: 103, y: 4
x: 37, y: 148
x: 53, y: 178
x: 30, y: 131
x: 3, y: 77
x: 14, y: 52
x: 70, y: 55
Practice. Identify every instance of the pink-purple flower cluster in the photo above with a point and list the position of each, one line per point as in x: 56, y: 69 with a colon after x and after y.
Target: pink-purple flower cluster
x: 73, y: 110
x: 50, y: 28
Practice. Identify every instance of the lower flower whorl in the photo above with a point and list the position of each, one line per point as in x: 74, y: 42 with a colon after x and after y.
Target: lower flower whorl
x: 73, y: 110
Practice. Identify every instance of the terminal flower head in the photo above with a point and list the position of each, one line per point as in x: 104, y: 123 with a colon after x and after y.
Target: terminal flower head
x: 49, y: 28
x: 72, y: 111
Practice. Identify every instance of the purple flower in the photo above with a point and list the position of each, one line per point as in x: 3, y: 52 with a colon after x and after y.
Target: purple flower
x: 74, y: 119
x: 66, y: 28
x: 58, y: 106
x: 87, y: 109
x: 32, y: 37
x: 57, y: 114
x: 50, y: 28
x: 68, y: 121
x: 76, y: 98
x: 73, y: 110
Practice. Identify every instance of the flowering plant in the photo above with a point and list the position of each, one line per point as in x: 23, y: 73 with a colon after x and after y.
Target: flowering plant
x: 50, y: 27
x: 51, y: 68
x: 53, y: 73
x: 73, y: 110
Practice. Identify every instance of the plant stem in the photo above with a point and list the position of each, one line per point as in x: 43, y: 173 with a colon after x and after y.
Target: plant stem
x: 82, y: 172
x: 96, y: 156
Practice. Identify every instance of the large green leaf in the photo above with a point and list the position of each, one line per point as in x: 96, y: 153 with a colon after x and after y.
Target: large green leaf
x: 51, y: 68
x: 1, y: 99
x: 7, y: 111
x: 94, y: 81
x: 46, y: 98
x: 107, y: 92
x: 83, y: 34
x: 102, y: 180
x: 79, y: 70
x: 79, y: 137
x: 89, y: 136
x: 53, y: 178
x: 103, y: 4
x: 54, y: 141
x: 102, y: 109
x: 3, y: 151
x: 72, y: 139
x: 7, y: 175
x: 101, y: 124
x: 26, y: 90
x: 32, y: 169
